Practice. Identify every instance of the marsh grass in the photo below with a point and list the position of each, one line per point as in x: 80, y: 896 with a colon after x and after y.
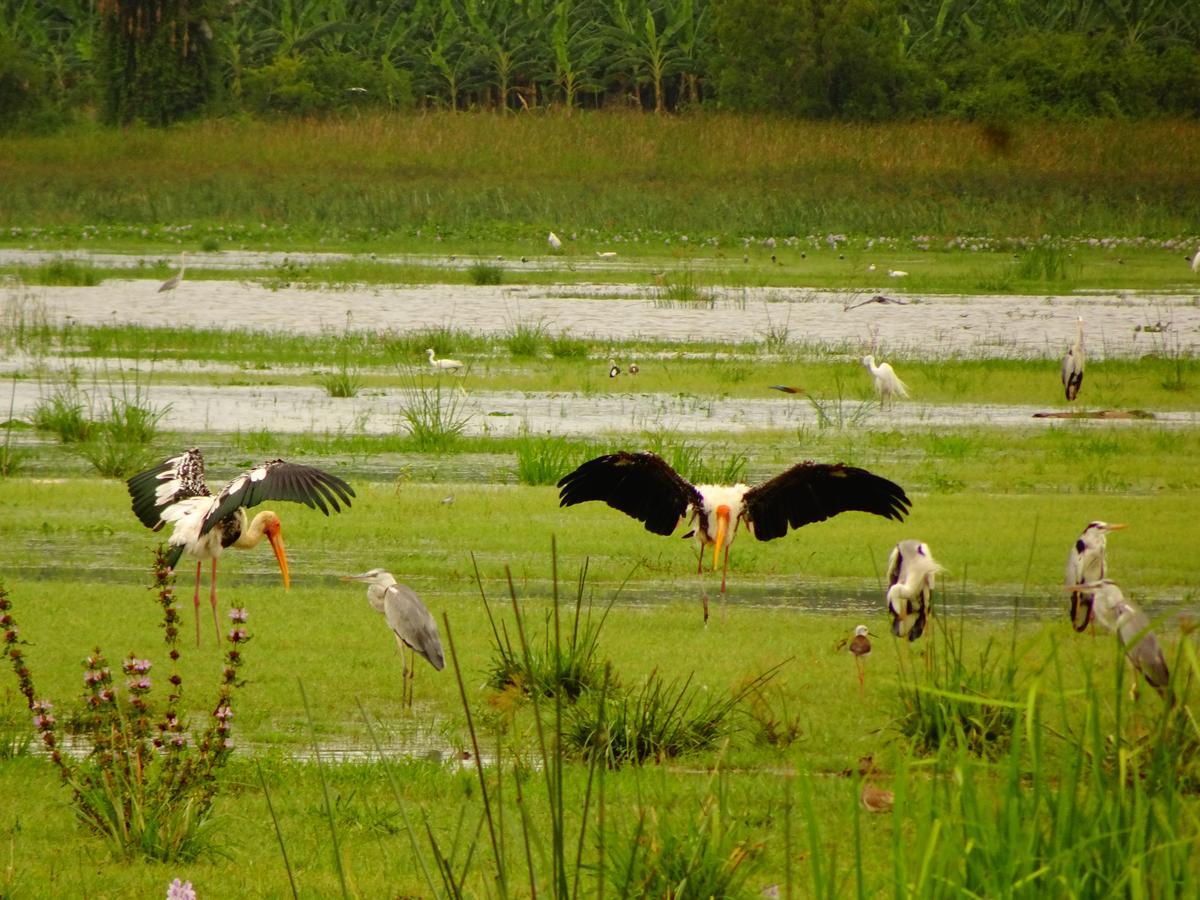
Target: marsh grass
x: 483, y: 272
x: 434, y: 417
x: 564, y: 345
x: 839, y: 412
x: 683, y: 288
x: 120, y: 442
x: 344, y: 381
x: 525, y: 337
x: 544, y: 460
x: 65, y: 411
x: 698, y: 463
x: 61, y: 271
x: 1046, y: 260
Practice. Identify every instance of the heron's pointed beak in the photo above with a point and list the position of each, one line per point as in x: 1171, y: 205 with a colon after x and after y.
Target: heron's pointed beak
x: 722, y: 527
x: 276, y: 538
x: 354, y: 577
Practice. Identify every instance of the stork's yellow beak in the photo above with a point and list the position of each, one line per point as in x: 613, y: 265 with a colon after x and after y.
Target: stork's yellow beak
x: 722, y: 527
x: 276, y: 538
x: 1117, y: 527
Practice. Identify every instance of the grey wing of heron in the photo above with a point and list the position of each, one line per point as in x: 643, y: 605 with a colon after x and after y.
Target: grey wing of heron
x: 412, y: 622
x: 1141, y: 646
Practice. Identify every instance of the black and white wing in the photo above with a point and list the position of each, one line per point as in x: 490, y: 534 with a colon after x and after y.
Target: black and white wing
x: 640, y: 485
x: 813, y: 492
x: 280, y: 480
x: 175, y: 479
x: 1081, y: 601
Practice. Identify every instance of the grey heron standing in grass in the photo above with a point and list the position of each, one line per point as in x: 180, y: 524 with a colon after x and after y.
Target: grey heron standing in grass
x: 887, y: 383
x: 408, y: 618
x: 912, y: 573
x: 173, y: 282
x: 1087, y: 563
x: 1072, y: 364
x: 1132, y: 627
x: 443, y: 365
x: 205, y: 525
x: 644, y: 486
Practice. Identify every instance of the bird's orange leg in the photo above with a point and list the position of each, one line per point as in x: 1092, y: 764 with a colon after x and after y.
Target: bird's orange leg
x: 212, y: 600
x: 196, y: 600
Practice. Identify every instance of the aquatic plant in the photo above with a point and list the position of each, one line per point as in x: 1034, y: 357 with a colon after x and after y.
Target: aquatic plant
x: 435, y: 417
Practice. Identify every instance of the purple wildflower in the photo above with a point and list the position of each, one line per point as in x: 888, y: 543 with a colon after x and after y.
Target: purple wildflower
x: 237, y: 615
x: 223, y: 713
x: 181, y: 890
x: 237, y: 635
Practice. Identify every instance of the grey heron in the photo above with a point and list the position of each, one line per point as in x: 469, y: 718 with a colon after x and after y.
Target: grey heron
x: 1087, y: 563
x: 860, y: 647
x: 443, y: 365
x: 1132, y: 627
x: 887, y: 383
x: 644, y: 486
x: 205, y: 525
x: 1072, y: 364
x: 408, y: 618
x: 912, y: 576
x: 173, y: 282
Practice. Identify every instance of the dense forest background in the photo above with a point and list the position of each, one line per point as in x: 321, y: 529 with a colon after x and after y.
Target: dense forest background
x: 156, y: 61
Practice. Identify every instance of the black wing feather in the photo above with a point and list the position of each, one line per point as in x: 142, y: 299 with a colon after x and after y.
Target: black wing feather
x: 640, y: 485
x: 813, y: 492
x: 280, y: 480
x: 177, y: 478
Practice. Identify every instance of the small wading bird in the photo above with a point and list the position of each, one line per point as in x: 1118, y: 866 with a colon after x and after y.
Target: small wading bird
x: 633, y: 368
x: 912, y: 572
x: 887, y: 384
x: 409, y: 620
x: 173, y: 282
x: 613, y: 369
x: 1086, y: 563
x: 1072, y: 364
x: 1132, y: 627
x: 875, y: 799
x: 860, y: 647
x: 554, y: 241
x: 205, y: 525
x: 443, y: 365
x: 644, y: 486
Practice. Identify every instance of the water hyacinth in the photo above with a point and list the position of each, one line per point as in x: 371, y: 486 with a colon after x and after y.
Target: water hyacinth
x: 181, y: 890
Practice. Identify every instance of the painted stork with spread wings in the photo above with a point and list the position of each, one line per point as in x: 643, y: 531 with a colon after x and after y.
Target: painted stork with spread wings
x: 644, y: 486
x: 204, y: 524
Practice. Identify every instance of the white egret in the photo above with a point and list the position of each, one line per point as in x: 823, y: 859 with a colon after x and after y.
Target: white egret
x: 205, y: 525
x: 1087, y: 563
x: 644, y: 486
x: 887, y: 383
x: 1072, y: 364
x: 554, y: 241
x: 912, y: 576
x: 443, y: 365
x: 408, y: 618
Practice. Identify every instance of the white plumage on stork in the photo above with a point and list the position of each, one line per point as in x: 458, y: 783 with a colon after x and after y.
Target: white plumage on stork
x: 912, y: 572
x: 205, y: 525
x: 644, y: 486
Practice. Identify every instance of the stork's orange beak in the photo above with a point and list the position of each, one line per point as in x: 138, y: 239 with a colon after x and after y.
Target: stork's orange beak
x: 276, y: 538
x: 722, y: 527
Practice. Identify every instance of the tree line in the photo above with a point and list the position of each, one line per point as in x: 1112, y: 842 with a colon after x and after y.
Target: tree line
x: 157, y: 61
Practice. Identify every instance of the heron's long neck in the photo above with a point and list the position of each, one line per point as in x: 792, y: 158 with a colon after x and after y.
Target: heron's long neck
x: 252, y: 535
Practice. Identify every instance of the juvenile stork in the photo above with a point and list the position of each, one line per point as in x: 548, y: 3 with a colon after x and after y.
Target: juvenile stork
x: 205, y: 525
x: 912, y: 573
x: 1072, y: 364
x: 409, y: 620
x: 644, y: 486
x: 1086, y: 563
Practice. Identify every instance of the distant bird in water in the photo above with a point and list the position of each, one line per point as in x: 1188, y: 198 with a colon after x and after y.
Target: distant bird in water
x: 897, y: 273
x: 644, y: 486
x: 173, y: 282
x: 887, y: 383
x: 607, y: 254
x: 613, y: 369
x: 788, y: 389
x: 912, y: 572
x: 1086, y: 563
x: 409, y: 620
x: 443, y: 365
x: 633, y: 368
x: 1132, y: 627
x: 860, y: 647
x: 1072, y: 364
x: 554, y: 241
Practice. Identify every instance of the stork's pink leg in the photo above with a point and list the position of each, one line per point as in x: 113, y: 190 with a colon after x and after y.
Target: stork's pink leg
x: 196, y: 601
x: 212, y: 600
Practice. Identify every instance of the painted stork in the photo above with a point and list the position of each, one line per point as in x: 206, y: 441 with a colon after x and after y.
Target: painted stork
x: 1072, y: 364
x: 1087, y: 563
x: 912, y: 573
x: 408, y: 618
x: 205, y: 525
x: 443, y: 365
x: 887, y: 383
x: 860, y: 648
x: 173, y: 282
x: 1132, y: 627
x: 644, y: 486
